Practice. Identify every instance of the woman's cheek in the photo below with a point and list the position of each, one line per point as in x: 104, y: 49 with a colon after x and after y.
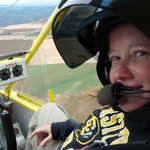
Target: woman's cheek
x: 111, y: 76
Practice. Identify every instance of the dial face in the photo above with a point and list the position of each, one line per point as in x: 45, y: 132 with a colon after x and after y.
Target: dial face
x: 5, y: 74
x: 17, y: 70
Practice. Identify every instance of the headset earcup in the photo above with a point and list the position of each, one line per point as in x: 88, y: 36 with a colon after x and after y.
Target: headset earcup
x: 102, y: 72
x: 107, y: 71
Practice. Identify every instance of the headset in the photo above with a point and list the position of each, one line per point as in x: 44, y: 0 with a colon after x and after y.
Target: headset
x: 79, y: 35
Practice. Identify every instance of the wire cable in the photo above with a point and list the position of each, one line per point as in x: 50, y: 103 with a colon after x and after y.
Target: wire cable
x: 9, y: 7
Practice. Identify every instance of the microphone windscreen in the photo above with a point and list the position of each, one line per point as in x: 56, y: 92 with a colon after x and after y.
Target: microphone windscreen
x: 106, y: 95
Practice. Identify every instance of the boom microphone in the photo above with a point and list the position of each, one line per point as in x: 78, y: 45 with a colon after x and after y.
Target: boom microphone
x: 112, y: 93
x: 106, y: 95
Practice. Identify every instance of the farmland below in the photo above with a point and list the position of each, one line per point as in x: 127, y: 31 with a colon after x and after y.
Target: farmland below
x: 74, y: 89
x: 21, y: 15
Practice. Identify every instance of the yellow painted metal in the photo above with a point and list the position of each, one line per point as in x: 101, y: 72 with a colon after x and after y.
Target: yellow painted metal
x: 50, y: 93
x: 23, y: 101
x: 36, y: 44
x: 8, y: 88
x: 41, y: 37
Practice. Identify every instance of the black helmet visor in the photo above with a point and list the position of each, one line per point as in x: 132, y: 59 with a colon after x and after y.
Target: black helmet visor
x: 65, y: 32
x: 77, y: 15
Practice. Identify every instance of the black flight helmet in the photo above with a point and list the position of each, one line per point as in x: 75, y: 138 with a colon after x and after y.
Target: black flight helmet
x: 81, y: 28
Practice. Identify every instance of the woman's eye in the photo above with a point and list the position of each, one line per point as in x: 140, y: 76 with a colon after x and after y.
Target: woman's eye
x: 141, y: 53
x: 114, y: 58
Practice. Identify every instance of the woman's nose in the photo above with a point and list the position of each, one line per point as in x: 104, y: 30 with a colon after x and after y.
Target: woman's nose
x: 123, y: 71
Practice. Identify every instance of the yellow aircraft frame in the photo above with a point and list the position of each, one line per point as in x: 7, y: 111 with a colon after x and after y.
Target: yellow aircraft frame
x: 28, y: 103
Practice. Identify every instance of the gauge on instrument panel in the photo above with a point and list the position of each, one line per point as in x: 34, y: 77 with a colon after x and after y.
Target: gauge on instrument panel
x: 5, y: 74
x: 17, y: 70
x: 12, y: 70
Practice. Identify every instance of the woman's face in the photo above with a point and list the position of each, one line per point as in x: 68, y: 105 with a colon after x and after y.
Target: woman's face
x: 130, y: 56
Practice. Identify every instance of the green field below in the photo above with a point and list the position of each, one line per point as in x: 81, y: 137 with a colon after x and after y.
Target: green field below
x: 74, y: 89
x: 61, y: 79
x: 71, y: 88
x: 35, y: 34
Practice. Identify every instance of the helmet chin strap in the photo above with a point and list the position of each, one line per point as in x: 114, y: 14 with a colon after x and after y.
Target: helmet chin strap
x: 140, y: 114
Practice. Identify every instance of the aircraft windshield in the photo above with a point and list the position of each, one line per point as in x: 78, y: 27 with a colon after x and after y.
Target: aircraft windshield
x: 74, y: 89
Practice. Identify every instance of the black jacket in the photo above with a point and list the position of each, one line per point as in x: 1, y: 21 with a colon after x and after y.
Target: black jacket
x: 119, y: 130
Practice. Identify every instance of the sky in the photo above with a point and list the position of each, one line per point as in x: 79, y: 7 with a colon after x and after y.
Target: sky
x: 30, y: 2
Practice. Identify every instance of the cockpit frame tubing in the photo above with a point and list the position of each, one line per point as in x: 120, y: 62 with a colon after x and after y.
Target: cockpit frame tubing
x: 43, y: 34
